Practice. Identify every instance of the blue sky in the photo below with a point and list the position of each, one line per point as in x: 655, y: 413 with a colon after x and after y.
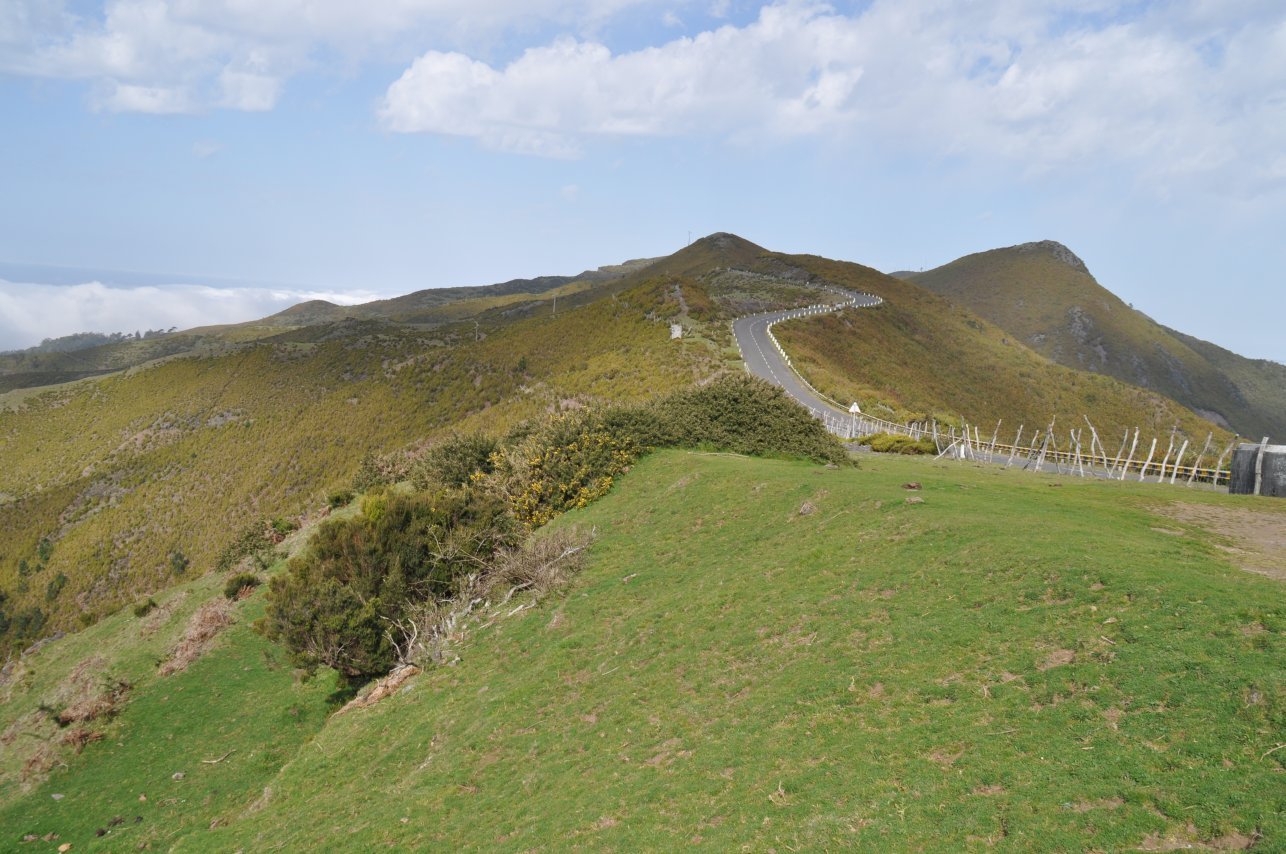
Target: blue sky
x: 322, y: 147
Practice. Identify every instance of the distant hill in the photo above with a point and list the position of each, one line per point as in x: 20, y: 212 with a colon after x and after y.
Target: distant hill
x: 1044, y: 295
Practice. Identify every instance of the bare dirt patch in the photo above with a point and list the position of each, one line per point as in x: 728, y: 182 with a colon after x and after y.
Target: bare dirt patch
x: 1188, y: 838
x: 946, y: 756
x: 1104, y: 804
x: 1255, y: 540
x: 1057, y: 658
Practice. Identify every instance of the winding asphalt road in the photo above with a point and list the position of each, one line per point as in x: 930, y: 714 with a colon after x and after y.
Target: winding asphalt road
x: 763, y: 359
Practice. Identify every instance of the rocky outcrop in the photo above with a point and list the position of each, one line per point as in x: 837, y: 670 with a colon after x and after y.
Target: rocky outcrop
x: 1058, y: 250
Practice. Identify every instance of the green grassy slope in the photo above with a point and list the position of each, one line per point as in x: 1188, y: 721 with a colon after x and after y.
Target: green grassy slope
x: 920, y: 355
x: 225, y: 726
x: 122, y: 472
x: 983, y: 668
x: 1042, y: 294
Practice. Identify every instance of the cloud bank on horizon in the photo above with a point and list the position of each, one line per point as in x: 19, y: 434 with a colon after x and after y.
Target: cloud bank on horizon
x: 1183, y: 90
x: 30, y: 313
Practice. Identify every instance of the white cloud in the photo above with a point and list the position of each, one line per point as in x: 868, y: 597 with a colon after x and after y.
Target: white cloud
x: 30, y: 313
x: 190, y: 55
x: 1177, y: 90
x: 205, y: 148
x: 248, y: 90
x: 124, y: 97
x: 790, y: 72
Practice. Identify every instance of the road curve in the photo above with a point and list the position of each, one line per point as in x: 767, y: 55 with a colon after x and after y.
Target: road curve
x: 765, y: 359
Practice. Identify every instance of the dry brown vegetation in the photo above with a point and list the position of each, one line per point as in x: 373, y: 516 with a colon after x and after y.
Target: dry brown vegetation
x: 206, y: 624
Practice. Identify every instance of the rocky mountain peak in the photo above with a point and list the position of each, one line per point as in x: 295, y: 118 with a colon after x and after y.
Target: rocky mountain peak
x: 1058, y: 250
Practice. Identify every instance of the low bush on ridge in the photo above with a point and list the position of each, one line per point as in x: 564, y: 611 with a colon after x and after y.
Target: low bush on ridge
x: 359, y: 575
x: 890, y: 443
x: 365, y: 581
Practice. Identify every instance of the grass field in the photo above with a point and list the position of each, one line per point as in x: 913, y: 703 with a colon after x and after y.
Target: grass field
x: 1018, y: 661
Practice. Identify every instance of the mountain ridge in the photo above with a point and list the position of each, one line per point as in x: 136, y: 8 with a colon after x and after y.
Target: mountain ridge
x: 1045, y: 295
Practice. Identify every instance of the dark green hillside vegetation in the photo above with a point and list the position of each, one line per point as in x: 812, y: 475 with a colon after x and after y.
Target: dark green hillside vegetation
x: 1259, y: 381
x: 917, y: 356
x: 1044, y: 295
x: 124, y: 472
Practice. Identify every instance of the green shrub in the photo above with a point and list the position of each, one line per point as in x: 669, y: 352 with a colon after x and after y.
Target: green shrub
x: 283, y: 527
x: 334, y: 604
x: 381, y: 470
x: 44, y: 550
x: 147, y: 606
x: 546, y: 468
x: 254, y: 541
x: 457, y: 461
x: 239, y: 582
x: 55, y: 586
x: 895, y: 443
x: 747, y: 415
x: 567, y: 462
x: 340, y: 498
x: 28, y: 623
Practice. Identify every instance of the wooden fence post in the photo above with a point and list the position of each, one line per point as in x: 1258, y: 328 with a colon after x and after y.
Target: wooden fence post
x: 1175, y: 471
x: 1219, y: 465
x: 1125, y: 468
x: 1143, y: 472
x: 1196, y: 465
x: 1259, y: 467
x: 1014, y: 449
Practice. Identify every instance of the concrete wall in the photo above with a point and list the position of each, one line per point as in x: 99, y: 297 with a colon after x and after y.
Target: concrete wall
x: 1274, y: 471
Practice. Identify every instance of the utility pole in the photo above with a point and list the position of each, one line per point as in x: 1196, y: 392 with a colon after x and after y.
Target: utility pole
x: 555, y: 314
x: 476, y: 335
